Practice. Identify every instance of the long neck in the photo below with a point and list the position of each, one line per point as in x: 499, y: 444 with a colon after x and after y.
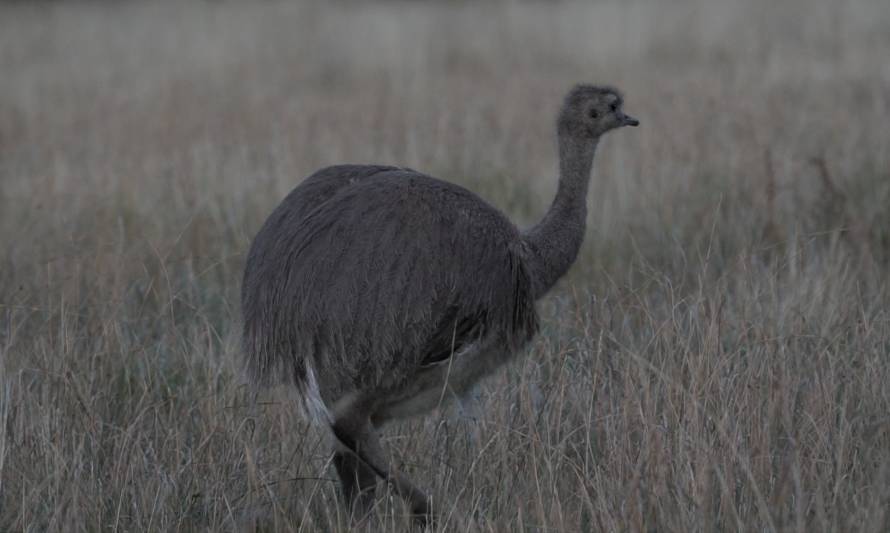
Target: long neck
x: 552, y: 245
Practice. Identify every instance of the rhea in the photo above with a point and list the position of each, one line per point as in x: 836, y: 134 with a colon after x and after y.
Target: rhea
x: 378, y: 291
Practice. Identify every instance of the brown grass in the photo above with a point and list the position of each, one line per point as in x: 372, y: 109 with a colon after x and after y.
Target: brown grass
x: 716, y: 361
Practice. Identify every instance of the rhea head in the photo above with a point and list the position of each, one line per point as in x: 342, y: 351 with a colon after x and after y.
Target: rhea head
x: 590, y: 111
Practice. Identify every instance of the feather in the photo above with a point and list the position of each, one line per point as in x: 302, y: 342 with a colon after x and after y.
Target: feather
x: 367, y: 274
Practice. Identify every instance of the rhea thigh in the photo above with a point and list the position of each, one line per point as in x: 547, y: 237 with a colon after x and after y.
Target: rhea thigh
x: 437, y: 385
x: 422, y: 393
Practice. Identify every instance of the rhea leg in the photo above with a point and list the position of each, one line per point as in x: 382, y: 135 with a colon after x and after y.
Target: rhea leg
x: 356, y: 434
x: 357, y: 482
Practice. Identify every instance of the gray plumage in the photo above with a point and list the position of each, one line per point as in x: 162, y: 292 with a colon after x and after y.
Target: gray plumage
x: 372, y: 289
x: 400, y: 262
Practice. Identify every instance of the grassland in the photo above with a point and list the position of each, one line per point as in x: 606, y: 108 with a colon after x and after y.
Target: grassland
x: 717, y: 360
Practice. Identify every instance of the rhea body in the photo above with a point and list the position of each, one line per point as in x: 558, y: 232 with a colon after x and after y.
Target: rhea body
x: 378, y: 291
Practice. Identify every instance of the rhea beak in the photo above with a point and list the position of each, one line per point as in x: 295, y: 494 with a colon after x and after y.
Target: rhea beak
x: 630, y: 121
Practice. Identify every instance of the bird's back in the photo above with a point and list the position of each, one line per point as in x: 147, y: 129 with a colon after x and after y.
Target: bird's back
x: 368, y: 273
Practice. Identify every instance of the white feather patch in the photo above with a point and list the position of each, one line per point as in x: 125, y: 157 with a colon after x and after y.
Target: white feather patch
x: 313, y: 406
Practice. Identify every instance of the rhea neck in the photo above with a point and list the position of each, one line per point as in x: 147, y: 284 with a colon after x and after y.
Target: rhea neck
x: 552, y: 245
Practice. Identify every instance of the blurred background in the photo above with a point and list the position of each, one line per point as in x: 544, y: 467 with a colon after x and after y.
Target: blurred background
x: 716, y: 359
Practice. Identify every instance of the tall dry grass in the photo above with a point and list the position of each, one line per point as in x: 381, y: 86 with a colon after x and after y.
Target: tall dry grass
x: 717, y: 360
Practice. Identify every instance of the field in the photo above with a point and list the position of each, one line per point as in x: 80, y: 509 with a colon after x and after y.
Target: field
x: 718, y: 359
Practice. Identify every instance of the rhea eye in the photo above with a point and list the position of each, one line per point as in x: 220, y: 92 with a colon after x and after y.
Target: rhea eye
x: 613, y: 107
